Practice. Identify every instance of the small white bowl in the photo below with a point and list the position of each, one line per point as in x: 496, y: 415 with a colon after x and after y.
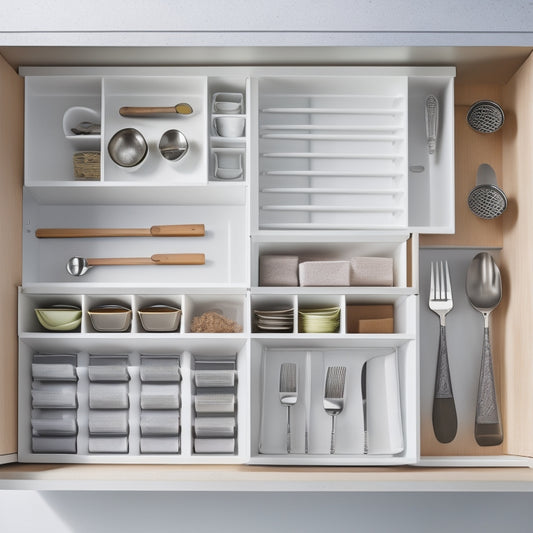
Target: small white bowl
x: 227, y: 107
x: 227, y: 103
x: 229, y: 126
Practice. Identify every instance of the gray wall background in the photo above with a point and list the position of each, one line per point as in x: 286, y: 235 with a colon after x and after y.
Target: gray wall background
x: 137, y: 512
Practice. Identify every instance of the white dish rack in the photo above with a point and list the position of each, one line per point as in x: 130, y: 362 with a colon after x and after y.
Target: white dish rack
x: 333, y: 153
x: 326, y: 156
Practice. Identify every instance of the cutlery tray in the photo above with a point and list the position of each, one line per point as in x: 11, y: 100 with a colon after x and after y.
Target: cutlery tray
x: 311, y: 424
x: 388, y: 421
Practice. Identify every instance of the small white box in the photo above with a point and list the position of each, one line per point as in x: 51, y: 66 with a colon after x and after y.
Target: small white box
x: 371, y: 271
x: 325, y: 274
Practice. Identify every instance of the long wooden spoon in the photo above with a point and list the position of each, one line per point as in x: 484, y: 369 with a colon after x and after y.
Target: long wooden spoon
x: 78, y: 266
x: 181, y: 230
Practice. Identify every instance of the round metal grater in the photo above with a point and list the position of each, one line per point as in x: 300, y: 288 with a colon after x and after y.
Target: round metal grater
x: 486, y: 200
x: 485, y: 116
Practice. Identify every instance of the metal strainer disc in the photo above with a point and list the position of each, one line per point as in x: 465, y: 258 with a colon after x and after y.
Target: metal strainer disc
x: 485, y: 116
x: 487, y: 201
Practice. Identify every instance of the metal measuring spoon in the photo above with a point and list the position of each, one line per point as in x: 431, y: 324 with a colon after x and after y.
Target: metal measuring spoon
x: 484, y: 290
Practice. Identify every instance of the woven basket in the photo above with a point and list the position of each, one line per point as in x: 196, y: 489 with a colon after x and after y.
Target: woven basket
x: 87, y: 165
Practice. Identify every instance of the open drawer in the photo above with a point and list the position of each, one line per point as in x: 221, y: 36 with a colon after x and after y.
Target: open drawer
x: 294, y: 197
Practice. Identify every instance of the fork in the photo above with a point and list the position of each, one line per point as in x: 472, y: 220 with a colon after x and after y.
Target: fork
x: 288, y: 393
x: 441, y: 303
x: 334, y: 397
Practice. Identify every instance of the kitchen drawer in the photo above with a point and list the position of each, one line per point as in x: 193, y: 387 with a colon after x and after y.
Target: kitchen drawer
x: 297, y: 195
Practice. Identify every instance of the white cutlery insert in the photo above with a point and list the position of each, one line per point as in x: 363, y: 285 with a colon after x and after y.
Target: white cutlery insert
x: 319, y: 167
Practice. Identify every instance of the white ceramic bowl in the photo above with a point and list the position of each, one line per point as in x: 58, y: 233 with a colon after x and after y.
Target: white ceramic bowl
x: 229, y: 126
x: 227, y: 103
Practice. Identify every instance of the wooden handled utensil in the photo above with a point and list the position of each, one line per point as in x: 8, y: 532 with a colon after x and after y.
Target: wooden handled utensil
x: 78, y: 266
x: 180, y: 109
x: 181, y: 230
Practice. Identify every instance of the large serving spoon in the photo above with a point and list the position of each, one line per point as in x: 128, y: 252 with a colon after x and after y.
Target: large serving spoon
x: 78, y: 266
x: 484, y: 290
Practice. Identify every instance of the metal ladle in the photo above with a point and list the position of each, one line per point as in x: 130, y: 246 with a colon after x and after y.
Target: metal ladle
x: 484, y: 290
x: 78, y: 266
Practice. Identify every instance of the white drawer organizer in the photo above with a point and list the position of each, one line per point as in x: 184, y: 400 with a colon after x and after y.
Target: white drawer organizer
x: 332, y: 165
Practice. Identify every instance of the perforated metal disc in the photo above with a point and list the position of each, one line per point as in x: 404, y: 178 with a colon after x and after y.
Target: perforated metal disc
x: 487, y: 201
x: 485, y: 116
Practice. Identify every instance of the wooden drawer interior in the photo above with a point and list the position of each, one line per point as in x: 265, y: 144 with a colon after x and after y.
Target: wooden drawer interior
x: 506, y: 237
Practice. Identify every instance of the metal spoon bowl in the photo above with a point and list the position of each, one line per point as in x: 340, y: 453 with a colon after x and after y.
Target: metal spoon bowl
x: 173, y: 145
x: 484, y: 290
x: 77, y: 266
x: 127, y: 148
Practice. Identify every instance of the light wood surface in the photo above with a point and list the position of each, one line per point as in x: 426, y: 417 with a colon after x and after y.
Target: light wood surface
x: 11, y: 177
x: 472, y: 149
x: 262, y: 478
x: 518, y: 262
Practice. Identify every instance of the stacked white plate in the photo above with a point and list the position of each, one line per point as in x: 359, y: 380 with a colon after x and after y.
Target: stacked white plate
x: 324, y: 320
x: 275, y: 320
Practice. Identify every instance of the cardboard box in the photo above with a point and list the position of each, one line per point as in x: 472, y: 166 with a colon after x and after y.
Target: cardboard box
x: 371, y: 318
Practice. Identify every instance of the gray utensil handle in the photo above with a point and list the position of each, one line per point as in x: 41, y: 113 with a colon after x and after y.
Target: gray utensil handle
x: 289, y: 444
x: 333, y: 435
x: 488, y: 427
x: 444, y: 412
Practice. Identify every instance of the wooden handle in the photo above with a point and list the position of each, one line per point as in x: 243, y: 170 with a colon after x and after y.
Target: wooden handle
x: 179, y: 259
x: 136, y: 111
x: 156, y: 259
x: 180, y: 109
x: 179, y: 230
x: 71, y: 233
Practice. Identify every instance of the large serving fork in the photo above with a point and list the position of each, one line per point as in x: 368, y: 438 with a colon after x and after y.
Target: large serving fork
x: 441, y: 303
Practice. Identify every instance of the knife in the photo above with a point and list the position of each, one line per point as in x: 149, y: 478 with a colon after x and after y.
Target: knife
x: 363, y: 395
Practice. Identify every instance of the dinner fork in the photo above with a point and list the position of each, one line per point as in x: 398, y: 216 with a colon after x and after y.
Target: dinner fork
x: 288, y: 393
x: 334, y: 397
x: 441, y: 303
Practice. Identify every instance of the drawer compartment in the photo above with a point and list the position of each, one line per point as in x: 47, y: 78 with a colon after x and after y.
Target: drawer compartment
x: 375, y: 424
